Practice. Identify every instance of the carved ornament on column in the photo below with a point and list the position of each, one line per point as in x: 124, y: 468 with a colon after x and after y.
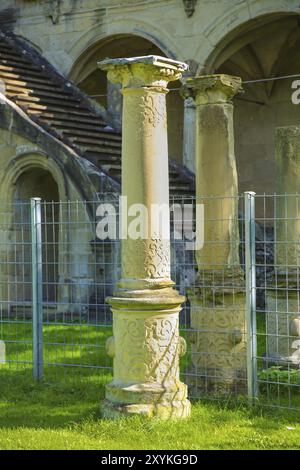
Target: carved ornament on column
x: 189, y: 7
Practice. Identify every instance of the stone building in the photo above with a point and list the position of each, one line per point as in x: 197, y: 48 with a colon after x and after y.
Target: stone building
x: 60, y: 118
x: 250, y: 39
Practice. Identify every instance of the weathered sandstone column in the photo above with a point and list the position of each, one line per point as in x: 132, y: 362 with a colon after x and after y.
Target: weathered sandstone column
x: 283, y: 307
x: 7, y: 249
x: 218, y: 301
x: 146, y: 345
x: 114, y: 104
x: 189, y: 133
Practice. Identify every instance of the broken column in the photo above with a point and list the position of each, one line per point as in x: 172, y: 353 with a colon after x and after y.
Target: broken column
x: 146, y: 345
x: 283, y: 305
x: 218, y: 299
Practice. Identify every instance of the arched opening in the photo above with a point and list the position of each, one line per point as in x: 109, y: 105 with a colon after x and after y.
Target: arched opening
x: 260, y: 49
x: 90, y: 79
x: 36, y: 182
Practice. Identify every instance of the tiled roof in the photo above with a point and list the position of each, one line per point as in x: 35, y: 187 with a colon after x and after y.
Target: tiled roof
x: 63, y: 110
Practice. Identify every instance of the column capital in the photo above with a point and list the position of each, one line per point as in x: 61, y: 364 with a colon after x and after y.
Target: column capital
x: 144, y: 71
x: 212, y: 89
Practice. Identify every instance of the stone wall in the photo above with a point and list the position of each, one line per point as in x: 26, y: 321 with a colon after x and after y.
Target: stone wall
x: 226, y: 36
x: 34, y: 164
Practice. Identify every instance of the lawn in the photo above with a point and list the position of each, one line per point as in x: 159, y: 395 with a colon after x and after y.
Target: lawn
x: 67, y: 416
x: 63, y: 410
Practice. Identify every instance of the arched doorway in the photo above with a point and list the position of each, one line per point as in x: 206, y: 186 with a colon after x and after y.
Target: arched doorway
x: 262, y: 48
x: 90, y: 79
x: 36, y: 182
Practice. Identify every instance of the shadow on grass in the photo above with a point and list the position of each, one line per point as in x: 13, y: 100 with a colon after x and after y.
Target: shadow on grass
x: 25, y: 403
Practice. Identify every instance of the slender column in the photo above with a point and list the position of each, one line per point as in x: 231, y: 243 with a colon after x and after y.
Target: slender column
x: 189, y: 133
x: 7, y: 281
x: 218, y: 301
x: 146, y: 345
x: 283, y: 304
x: 115, y: 104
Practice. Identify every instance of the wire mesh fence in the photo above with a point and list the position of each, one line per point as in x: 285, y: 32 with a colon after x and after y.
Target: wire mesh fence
x: 60, y: 331
x: 214, y: 316
x: 278, y: 314
x: 241, y: 318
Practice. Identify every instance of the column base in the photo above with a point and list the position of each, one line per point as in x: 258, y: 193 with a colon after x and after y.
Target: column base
x: 146, y: 399
x: 218, y: 344
x: 146, y: 347
x: 217, y: 381
x: 282, y: 328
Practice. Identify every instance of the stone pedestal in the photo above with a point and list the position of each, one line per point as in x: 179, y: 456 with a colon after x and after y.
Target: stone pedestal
x: 218, y: 300
x: 283, y: 315
x: 146, y: 345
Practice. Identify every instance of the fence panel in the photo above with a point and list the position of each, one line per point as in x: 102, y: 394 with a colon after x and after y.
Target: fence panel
x: 278, y: 313
x: 15, y: 285
x: 213, y: 320
x: 226, y: 358
x: 80, y: 271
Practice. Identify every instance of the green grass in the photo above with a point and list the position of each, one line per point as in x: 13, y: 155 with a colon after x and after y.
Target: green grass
x: 66, y: 345
x: 67, y: 416
x: 63, y: 411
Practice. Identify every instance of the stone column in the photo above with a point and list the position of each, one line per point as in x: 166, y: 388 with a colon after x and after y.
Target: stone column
x: 189, y: 133
x: 8, y: 285
x: 146, y: 345
x: 218, y: 300
x: 283, y: 316
x: 115, y: 104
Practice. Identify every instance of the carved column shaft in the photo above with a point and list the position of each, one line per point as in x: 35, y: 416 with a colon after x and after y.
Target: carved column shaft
x: 216, y: 174
x: 146, y: 345
x: 145, y: 161
x: 114, y: 104
x: 189, y: 134
x: 218, y: 304
x: 283, y: 319
x: 7, y: 259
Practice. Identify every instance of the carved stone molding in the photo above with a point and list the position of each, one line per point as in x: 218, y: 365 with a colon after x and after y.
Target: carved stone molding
x: 52, y: 10
x: 148, y: 71
x: 189, y: 7
x: 218, y: 88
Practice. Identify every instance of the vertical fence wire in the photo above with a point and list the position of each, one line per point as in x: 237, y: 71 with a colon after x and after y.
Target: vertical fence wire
x: 250, y: 278
x: 63, y: 294
x: 37, y: 287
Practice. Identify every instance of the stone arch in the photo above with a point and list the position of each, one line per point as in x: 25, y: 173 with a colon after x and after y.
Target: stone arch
x: 30, y: 174
x: 38, y: 182
x: 241, y: 17
x: 124, y: 26
x: 89, y: 78
x: 264, y: 47
x: 245, y: 32
x: 24, y: 162
x: 66, y: 245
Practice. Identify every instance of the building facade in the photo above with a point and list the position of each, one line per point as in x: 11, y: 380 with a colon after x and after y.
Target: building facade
x: 251, y: 39
x: 61, y: 122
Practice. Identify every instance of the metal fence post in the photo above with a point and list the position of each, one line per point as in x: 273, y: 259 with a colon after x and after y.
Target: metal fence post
x: 250, y: 266
x: 37, y: 287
